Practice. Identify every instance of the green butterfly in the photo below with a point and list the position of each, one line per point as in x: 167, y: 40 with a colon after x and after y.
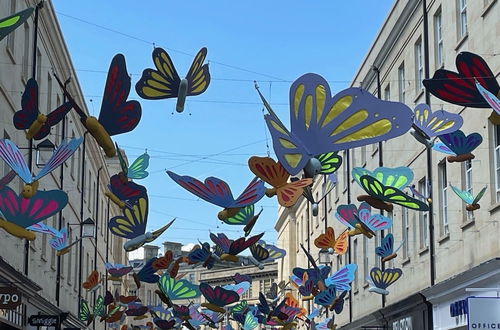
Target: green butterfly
x: 330, y: 162
x: 245, y: 217
x: 86, y: 315
x: 9, y: 24
x: 137, y: 170
x: 385, y: 185
x: 177, y: 289
x: 468, y: 198
x: 240, y: 307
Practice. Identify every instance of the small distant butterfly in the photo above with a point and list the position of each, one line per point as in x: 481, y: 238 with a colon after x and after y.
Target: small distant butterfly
x: 85, y: 315
x: 177, y: 289
x: 137, y: 170
x: 264, y: 253
x: 217, y: 192
x: 229, y: 249
x: 217, y: 297
x: 380, y: 280
x: 386, y: 250
x: 246, y: 216
x: 471, y: 201
x: 429, y: 124
x: 342, y: 278
x: 12, y: 22
x: 202, y: 254
x: 328, y: 186
x: 117, y: 271
x: 458, y: 146
x: 61, y: 244
x: 361, y: 220
x: 164, y: 82
x: 93, y: 281
x: 328, y: 241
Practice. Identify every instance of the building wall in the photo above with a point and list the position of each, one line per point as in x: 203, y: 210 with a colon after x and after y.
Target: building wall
x: 462, y: 240
x: 16, y: 53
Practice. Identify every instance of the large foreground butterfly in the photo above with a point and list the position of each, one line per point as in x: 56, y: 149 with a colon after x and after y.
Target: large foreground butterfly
x: 117, y: 115
x: 30, y: 117
x: 217, y: 192
x: 321, y: 123
x: 14, y: 158
x: 164, y: 82
x: 12, y: 22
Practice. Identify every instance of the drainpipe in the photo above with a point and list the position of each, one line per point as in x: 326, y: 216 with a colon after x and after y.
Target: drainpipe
x: 80, y: 245
x: 349, y: 254
x: 96, y: 220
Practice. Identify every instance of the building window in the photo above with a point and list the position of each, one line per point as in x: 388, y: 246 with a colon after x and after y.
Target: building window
x: 355, y: 260
x: 247, y: 294
x: 405, y: 232
x: 377, y: 243
x: 301, y: 231
x: 462, y: 18
x: 497, y: 162
x: 265, y: 285
x: 438, y: 39
x: 419, y: 66
x: 423, y: 216
x: 365, y: 258
x: 401, y: 83
x: 363, y: 155
x: 443, y: 197
x: 387, y: 93
x: 345, y: 172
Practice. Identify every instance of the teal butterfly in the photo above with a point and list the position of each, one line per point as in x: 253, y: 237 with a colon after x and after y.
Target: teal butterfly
x: 137, y: 170
x: 251, y: 322
x: 85, y: 314
x: 384, y: 186
x: 240, y: 307
x: 245, y: 217
x: 177, y: 289
x: 9, y: 24
x: 468, y: 198
x: 330, y: 162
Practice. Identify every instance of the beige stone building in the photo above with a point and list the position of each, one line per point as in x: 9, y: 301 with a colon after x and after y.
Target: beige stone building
x: 50, y: 285
x: 465, y: 245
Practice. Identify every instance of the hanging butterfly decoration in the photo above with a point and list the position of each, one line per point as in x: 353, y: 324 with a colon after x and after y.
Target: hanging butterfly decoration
x: 93, y: 281
x: 458, y: 146
x: 428, y: 124
x: 361, y: 220
x: 31, y: 119
x: 321, y: 123
x: 217, y: 192
x: 328, y: 186
x: 250, y: 322
x: 239, y: 308
x: 124, y: 192
x: 217, y: 297
x: 7, y: 178
x: 18, y: 213
x: 117, y: 115
x: 173, y: 289
x: 40, y: 227
x: 12, y: 22
x: 85, y: 315
x: 245, y: 217
x: 137, y: 170
x: 147, y: 274
x: 330, y: 300
x: 117, y: 271
x: 228, y: 249
x: 492, y: 100
x: 471, y: 201
x: 238, y: 278
x: 203, y: 254
x: 460, y: 87
x: 384, y: 187
x: 386, y: 250
x: 273, y: 173
x: 380, y: 280
x: 137, y: 310
x: 15, y: 159
x: 61, y: 243
x: 163, y: 318
x: 328, y: 241
x: 263, y: 253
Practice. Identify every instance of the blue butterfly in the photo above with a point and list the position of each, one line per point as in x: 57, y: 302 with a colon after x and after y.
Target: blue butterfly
x: 380, y: 280
x: 386, y: 250
x: 458, y: 145
x: 342, y: 278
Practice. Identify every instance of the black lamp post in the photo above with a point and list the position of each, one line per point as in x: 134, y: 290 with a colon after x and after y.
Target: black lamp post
x: 44, y: 151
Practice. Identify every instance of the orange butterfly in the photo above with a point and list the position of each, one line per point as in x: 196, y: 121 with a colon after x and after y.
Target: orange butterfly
x: 328, y: 241
x: 92, y: 281
x: 274, y: 173
x: 291, y: 301
x: 163, y: 262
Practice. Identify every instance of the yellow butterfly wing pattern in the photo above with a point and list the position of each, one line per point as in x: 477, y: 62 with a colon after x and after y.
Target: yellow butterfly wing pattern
x: 198, y: 76
x: 133, y: 222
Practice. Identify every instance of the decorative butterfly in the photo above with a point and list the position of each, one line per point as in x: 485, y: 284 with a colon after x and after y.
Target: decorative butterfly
x: 492, y: 100
x: 164, y: 321
x: 328, y: 186
x: 250, y: 322
x: 420, y: 195
x: 20, y: 213
x: 137, y: 310
x: 147, y: 274
x: 384, y: 187
x: 330, y: 162
x: 61, y: 243
x: 273, y: 173
x: 217, y: 297
x: 202, y: 254
x: 124, y: 192
x: 380, y: 280
x: 327, y: 297
x: 164, y: 82
x: 246, y: 216
x: 85, y: 315
x: 117, y: 115
x: 177, y: 289
x: 7, y: 178
x: 40, y: 227
x: 31, y: 119
x: 117, y: 271
x: 93, y: 281
x: 14, y: 158
x: 295, y: 310
x: 12, y: 22
x: 322, y: 124
x: 137, y: 170
x: 471, y: 201
x: 263, y: 253
x: 428, y: 124
x: 212, y: 318
x: 239, y: 308
x: 386, y: 250
x: 238, y: 278
x: 361, y: 220
x: 328, y: 241
x: 458, y: 146
x: 342, y: 278
x: 229, y: 249
x: 118, y: 299
x: 239, y: 288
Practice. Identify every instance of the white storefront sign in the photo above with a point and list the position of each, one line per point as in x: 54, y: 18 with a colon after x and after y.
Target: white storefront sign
x: 483, y: 312
x: 402, y: 324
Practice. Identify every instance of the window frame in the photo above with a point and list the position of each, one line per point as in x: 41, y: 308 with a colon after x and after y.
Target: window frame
x: 443, y: 198
x: 438, y: 39
x: 401, y: 83
x: 419, y: 66
x: 423, y: 219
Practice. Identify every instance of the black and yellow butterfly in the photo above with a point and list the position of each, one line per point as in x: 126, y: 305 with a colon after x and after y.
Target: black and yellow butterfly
x: 164, y: 82
x: 10, y: 23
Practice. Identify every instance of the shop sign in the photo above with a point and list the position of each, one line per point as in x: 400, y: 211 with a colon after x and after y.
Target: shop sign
x: 43, y: 320
x: 10, y: 298
x: 484, y: 312
x: 458, y: 308
x: 403, y: 324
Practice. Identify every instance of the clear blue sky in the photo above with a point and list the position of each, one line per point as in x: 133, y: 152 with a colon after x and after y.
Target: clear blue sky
x: 273, y: 42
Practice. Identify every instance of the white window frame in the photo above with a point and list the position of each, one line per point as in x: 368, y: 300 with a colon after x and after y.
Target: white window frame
x: 423, y: 216
x: 366, y: 260
x: 401, y: 83
x: 443, y: 198
x: 462, y: 18
x: 405, y: 225
x: 496, y: 131
x: 419, y: 66
x: 387, y: 93
x: 438, y: 39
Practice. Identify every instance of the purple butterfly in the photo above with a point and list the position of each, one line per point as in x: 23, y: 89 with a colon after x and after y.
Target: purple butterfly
x: 229, y: 249
x: 461, y: 145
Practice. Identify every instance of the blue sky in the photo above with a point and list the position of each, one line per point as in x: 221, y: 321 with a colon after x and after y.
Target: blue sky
x: 272, y: 42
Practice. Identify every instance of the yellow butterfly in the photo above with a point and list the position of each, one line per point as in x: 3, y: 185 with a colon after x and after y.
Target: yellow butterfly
x: 164, y: 82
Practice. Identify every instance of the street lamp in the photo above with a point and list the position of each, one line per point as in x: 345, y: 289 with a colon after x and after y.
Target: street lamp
x: 88, y: 228
x: 324, y: 256
x: 44, y: 151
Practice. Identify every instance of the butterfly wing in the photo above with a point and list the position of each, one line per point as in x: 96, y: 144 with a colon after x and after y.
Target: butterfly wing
x: 441, y: 147
x: 59, y: 243
x: 387, y: 246
x: 259, y: 252
x: 53, y: 118
x: 7, y: 178
x: 347, y: 215
x: 464, y: 195
x: 342, y: 279
x: 275, y: 252
x: 25, y: 212
x: 375, y: 221
x: 128, y: 191
x: 330, y: 162
x: 218, y: 295
x: 177, y: 289
x: 251, y: 195
x: 123, y: 162
x: 461, y: 144
x: 399, y: 177
x: 117, y: 114
x: 326, y: 240
x: 14, y: 158
x: 489, y: 97
x: 65, y: 150
x: 10, y: 23
x: 198, y: 76
x: 290, y: 193
x: 84, y: 313
x: 147, y: 273
x: 43, y: 228
x: 382, y: 279
x: 91, y: 281
x: 479, y: 196
x: 251, y: 322
x: 242, y: 244
x: 99, y: 308
x: 29, y: 106
x: 437, y: 122
x: 272, y: 172
x: 239, y: 288
x: 326, y: 297
x: 221, y: 241
x: 133, y: 221
x: 459, y: 88
x: 137, y: 170
x: 242, y: 217
x: 341, y: 243
x: 155, y: 234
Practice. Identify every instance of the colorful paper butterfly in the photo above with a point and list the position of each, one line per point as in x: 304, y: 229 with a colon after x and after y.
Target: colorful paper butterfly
x: 137, y: 170
x: 322, y: 124
x: 164, y: 321
x: 93, y: 281
x: 30, y: 118
x: 177, y: 289
x: 147, y: 274
x: 231, y: 248
x: 44, y: 229
x: 117, y: 115
x: 250, y: 322
x: 380, y: 280
x: 361, y: 220
x: 124, y: 192
x: 218, y: 297
x: 217, y: 192
x: 328, y: 186
x: 238, y: 278
x: 14, y: 158
x: 61, y: 243
x: 85, y: 314
x: 429, y: 124
x: 239, y: 288
x: 330, y: 162
x: 10, y: 23
x: 274, y: 173
x: 246, y: 216
x: 459, y: 146
x: 117, y: 271
x: 459, y: 88
x: 202, y: 254
x: 489, y: 97
x: 326, y: 297
x: 386, y: 250
x: 164, y: 82
x: 471, y: 201
x: 384, y: 186
x: 342, y: 278
x: 137, y: 310
x: 240, y: 307
x: 328, y: 241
